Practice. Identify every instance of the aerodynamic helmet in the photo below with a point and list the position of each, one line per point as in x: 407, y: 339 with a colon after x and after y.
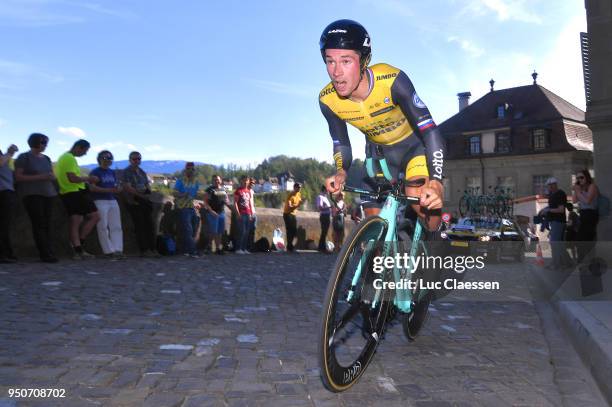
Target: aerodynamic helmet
x: 347, y: 34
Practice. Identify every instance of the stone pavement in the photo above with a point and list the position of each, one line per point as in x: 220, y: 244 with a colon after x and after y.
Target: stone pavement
x: 242, y: 331
x: 583, y: 302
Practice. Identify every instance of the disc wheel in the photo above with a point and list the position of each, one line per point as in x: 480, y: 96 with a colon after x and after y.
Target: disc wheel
x: 354, y: 311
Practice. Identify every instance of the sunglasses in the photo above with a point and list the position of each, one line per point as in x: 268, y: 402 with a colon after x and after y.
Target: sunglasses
x: 107, y: 158
x: 580, y: 177
x: 135, y: 158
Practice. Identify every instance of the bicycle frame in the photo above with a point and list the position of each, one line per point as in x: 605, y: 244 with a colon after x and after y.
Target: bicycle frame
x: 403, y: 297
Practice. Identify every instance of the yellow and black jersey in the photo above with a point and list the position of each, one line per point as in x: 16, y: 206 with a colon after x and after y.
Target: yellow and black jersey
x: 393, y: 118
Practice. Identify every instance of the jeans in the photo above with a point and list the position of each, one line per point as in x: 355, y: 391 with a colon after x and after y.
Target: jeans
x: 7, y: 212
x: 291, y: 227
x: 189, y: 225
x: 560, y: 257
x: 110, y: 234
x: 39, y: 210
x: 142, y: 215
x: 245, y: 228
x: 252, y: 227
x: 325, y: 221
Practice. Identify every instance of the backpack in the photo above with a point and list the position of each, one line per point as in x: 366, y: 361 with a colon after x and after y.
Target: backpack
x: 262, y: 245
x: 166, y: 246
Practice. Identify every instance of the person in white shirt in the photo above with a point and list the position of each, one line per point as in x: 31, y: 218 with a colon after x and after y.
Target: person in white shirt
x: 338, y: 213
x: 324, y: 207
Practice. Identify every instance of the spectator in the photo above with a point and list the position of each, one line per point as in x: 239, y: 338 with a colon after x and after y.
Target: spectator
x: 324, y: 207
x: 291, y: 205
x: 186, y: 189
x: 253, y: 224
x: 557, y: 200
x: 338, y: 213
x: 137, y: 191
x: 215, y: 202
x: 586, y: 193
x: 242, y: 204
x: 7, y: 204
x: 37, y: 187
x: 82, y: 211
x: 110, y: 233
x: 571, y: 231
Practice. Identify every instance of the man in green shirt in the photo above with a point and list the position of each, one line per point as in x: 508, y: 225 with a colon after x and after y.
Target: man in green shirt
x: 75, y: 196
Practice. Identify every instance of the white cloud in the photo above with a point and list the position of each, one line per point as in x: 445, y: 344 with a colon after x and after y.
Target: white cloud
x: 561, y: 69
x: 72, y: 131
x: 467, y: 46
x: 505, y: 10
x: 154, y: 147
x: 112, y: 145
x: 61, y: 143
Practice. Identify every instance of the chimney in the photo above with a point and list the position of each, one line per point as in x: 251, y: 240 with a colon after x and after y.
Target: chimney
x: 491, y: 82
x: 534, y: 75
x: 464, y: 100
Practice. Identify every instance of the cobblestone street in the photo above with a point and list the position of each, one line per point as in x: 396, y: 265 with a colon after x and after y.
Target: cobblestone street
x: 242, y: 330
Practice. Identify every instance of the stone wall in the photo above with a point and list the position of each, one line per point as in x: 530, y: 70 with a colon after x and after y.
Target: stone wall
x: 268, y: 220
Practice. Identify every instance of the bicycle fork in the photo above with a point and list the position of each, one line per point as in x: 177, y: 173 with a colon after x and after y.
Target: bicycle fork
x: 403, y: 297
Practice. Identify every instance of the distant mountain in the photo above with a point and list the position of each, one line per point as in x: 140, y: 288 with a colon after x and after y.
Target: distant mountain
x: 152, y: 166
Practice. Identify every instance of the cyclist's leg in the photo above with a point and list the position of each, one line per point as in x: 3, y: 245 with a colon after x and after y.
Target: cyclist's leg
x: 371, y: 207
x: 417, y: 177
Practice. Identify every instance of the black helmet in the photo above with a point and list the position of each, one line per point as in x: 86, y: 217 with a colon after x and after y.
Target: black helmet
x: 347, y: 34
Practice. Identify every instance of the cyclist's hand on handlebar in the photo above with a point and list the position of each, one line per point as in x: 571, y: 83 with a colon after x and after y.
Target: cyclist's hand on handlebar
x: 432, y: 195
x: 336, y: 182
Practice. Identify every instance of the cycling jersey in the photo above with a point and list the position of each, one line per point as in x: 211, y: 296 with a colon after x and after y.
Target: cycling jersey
x: 396, y: 123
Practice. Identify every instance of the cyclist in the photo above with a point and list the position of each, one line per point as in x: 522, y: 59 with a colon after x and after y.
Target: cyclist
x: 381, y: 102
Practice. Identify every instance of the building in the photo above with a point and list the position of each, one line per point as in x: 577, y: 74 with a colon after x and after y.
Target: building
x: 597, y: 55
x: 515, y: 139
x: 286, y: 180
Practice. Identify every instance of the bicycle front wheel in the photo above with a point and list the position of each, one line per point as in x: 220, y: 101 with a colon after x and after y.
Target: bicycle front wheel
x: 354, y: 310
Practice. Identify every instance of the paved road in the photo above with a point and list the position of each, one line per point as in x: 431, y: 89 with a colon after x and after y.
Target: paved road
x: 241, y: 331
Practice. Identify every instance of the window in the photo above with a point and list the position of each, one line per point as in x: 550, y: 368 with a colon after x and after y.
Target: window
x: 501, y: 111
x: 472, y: 146
x: 539, y: 184
x: 472, y: 185
x: 506, y: 185
x: 502, y: 143
x: 540, y: 139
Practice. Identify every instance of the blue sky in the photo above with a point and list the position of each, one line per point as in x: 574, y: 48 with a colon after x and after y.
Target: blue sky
x: 238, y: 81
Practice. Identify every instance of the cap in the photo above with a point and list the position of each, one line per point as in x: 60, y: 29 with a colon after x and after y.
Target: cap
x: 551, y: 180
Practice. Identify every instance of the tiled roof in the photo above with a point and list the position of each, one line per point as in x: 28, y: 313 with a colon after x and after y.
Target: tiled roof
x: 524, y: 105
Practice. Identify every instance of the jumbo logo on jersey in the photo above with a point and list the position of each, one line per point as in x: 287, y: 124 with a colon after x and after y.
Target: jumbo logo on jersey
x: 416, y: 100
x: 386, y: 76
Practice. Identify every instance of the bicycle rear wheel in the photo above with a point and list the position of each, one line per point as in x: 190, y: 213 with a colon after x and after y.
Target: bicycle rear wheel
x: 354, y: 312
x: 413, y: 321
